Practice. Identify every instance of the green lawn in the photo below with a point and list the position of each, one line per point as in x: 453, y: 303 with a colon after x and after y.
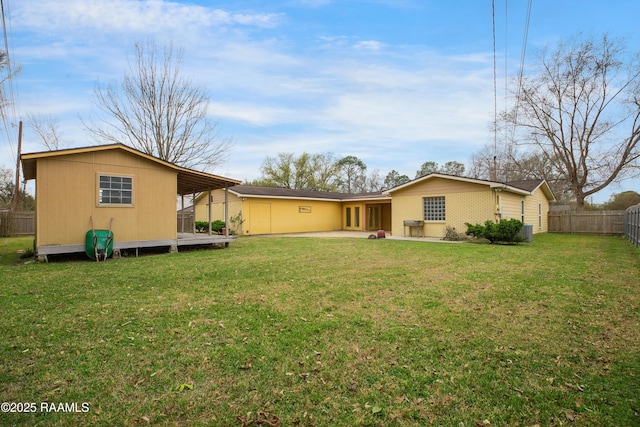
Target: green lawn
x: 328, y: 332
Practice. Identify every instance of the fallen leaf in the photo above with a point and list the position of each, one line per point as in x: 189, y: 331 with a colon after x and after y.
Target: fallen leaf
x: 184, y: 386
x: 571, y: 415
x: 376, y: 409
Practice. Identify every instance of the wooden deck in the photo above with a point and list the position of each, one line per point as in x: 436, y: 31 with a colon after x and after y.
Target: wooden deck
x: 190, y: 239
x: 182, y: 240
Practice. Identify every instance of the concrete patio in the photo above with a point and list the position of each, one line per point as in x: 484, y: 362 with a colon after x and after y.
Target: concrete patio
x: 362, y: 235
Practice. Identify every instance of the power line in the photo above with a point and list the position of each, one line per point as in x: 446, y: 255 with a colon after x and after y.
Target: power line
x: 495, y: 91
x: 9, y: 94
x: 521, y: 69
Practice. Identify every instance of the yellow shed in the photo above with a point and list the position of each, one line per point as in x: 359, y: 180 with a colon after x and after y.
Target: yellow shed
x: 435, y: 201
x: 115, y: 186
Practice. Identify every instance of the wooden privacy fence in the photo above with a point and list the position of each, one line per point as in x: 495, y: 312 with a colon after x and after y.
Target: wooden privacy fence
x: 587, y: 222
x: 17, y: 223
x: 188, y: 222
x: 632, y: 224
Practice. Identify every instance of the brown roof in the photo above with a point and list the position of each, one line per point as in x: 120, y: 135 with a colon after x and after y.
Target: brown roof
x: 258, y: 191
x: 188, y: 180
x: 526, y: 184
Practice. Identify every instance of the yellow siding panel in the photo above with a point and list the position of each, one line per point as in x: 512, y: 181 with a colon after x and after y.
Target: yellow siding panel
x: 296, y: 216
x: 67, y: 194
x: 217, y: 208
x: 439, y: 186
x: 536, y: 208
x: 536, y: 211
x: 282, y: 215
x: 510, y: 205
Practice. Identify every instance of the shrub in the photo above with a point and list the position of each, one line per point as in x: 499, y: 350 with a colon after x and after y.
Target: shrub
x: 203, y: 226
x: 507, y: 230
x: 28, y: 253
x: 452, y: 235
x: 217, y: 225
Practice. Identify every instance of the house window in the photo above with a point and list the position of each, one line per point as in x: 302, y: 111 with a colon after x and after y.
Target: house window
x: 522, y: 211
x: 356, y: 218
x: 115, y: 190
x: 434, y: 208
x: 348, y: 217
x: 540, y: 215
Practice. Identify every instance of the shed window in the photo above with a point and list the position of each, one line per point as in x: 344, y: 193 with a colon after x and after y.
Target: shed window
x: 434, y: 208
x: 115, y: 190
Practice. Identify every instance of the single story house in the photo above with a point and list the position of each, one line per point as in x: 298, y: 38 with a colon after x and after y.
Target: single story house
x: 269, y: 210
x: 439, y: 200
x: 110, y: 184
x: 434, y: 202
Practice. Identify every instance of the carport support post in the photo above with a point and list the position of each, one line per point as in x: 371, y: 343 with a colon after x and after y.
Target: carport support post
x: 226, y: 210
x: 209, y: 212
x: 182, y: 214
x: 193, y: 202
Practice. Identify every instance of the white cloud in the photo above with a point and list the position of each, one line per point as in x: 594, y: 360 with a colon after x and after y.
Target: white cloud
x: 370, y: 45
x: 313, y: 3
x: 337, y: 95
x: 252, y: 114
x: 131, y: 15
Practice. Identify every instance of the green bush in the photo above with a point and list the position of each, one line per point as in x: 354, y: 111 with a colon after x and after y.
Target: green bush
x: 507, y: 230
x: 203, y: 226
x: 217, y: 225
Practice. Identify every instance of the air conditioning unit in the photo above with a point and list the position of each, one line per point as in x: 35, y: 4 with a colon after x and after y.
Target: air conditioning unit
x: 527, y: 232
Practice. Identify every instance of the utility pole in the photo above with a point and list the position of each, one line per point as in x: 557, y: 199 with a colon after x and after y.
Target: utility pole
x: 16, y: 193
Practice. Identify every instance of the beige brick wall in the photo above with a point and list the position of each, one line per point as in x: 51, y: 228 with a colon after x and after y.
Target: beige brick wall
x: 460, y: 207
x: 466, y: 202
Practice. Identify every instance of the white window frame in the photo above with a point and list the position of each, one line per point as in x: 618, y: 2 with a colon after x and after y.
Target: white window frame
x: 539, y: 215
x: 434, y: 208
x: 124, y: 195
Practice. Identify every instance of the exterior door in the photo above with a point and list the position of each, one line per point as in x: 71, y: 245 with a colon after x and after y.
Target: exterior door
x: 373, y: 217
x: 352, y: 217
x: 260, y: 218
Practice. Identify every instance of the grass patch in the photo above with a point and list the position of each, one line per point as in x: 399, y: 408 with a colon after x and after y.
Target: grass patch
x: 323, y: 332
x: 12, y: 248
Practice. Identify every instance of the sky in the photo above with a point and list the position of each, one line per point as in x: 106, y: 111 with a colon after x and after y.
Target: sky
x: 393, y: 82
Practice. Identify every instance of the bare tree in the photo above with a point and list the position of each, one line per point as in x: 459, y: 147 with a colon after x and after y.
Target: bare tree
x: 581, y: 113
x: 8, y: 71
x: 449, y: 168
x: 159, y: 111
x: 7, y: 187
x: 46, y: 128
x: 453, y: 168
x: 374, y: 182
x: 305, y: 172
x: 513, y: 165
